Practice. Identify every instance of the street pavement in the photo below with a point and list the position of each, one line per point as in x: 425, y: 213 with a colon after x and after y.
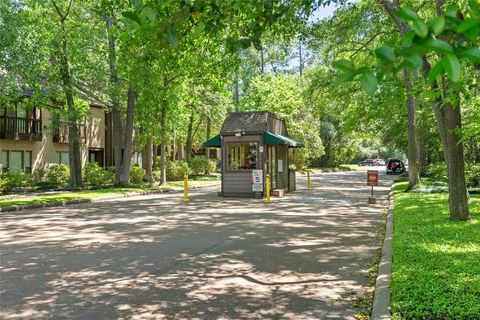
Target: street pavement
x: 303, y: 256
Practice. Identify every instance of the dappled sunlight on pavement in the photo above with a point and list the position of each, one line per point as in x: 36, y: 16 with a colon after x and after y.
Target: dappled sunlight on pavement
x: 304, y: 256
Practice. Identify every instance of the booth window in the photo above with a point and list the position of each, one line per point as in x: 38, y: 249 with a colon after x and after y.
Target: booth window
x: 242, y: 156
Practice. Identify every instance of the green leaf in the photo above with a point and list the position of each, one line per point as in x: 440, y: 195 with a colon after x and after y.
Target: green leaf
x: 438, y: 25
x: 434, y: 72
x: 451, y: 11
x: 413, y: 61
x: 131, y: 16
x: 438, y: 45
x: 452, y: 67
x: 408, y: 38
x: 369, y: 82
x: 344, y: 65
x: 467, y: 25
x: 345, y: 77
x: 420, y: 28
x: 407, y: 14
x: 472, y: 54
x: 475, y: 7
x: 385, y: 54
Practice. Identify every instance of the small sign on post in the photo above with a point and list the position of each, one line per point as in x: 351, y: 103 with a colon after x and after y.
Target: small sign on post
x: 372, y: 180
x: 257, y: 180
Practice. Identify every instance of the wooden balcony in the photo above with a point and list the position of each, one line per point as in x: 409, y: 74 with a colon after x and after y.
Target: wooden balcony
x: 20, y: 128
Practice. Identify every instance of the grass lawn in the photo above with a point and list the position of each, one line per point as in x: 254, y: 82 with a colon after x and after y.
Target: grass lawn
x: 89, y: 194
x: 436, y: 262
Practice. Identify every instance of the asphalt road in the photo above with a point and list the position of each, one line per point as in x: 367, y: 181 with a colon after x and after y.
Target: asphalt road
x: 304, y: 256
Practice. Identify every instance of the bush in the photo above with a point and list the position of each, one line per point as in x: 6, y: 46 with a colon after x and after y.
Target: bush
x: 201, y: 166
x: 14, y: 180
x: 2, y: 184
x: 472, y: 175
x: 94, y: 175
x: 176, y: 170
x: 438, y: 171
x: 58, y: 175
x: 137, y: 175
x: 38, y: 178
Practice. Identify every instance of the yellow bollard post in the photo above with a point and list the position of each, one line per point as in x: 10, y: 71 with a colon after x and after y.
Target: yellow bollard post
x: 267, y: 187
x: 185, y: 188
x: 309, y: 186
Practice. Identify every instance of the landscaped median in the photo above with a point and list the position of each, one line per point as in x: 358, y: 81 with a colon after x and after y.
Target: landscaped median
x: 61, y: 198
x: 436, y: 262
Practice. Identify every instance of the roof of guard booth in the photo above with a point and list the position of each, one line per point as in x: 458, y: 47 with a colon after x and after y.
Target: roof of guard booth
x: 247, y: 122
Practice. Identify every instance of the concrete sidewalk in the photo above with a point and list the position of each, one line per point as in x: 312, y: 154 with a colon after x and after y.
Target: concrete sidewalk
x: 304, y: 256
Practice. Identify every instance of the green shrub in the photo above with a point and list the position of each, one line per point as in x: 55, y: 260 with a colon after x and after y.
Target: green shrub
x: 438, y: 171
x: 2, y: 184
x: 58, y: 175
x: 472, y: 175
x: 14, y: 180
x: 38, y: 178
x: 137, y: 175
x: 176, y: 170
x: 201, y: 166
x: 94, y: 175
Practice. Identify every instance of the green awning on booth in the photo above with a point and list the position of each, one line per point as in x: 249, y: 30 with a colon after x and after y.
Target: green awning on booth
x: 214, y: 142
x: 270, y: 138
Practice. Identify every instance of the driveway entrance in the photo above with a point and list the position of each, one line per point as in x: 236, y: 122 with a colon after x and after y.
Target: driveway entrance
x: 304, y: 256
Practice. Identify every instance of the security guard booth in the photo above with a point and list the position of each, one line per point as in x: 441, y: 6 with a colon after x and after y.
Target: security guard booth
x: 253, y: 144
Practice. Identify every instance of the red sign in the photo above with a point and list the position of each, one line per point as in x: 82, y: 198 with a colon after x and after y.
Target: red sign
x: 372, y: 178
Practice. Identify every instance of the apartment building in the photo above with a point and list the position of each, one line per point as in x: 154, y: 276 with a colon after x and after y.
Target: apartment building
x: 34, y: 138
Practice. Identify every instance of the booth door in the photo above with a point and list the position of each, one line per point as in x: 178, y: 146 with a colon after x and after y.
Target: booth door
x: 272, y: 165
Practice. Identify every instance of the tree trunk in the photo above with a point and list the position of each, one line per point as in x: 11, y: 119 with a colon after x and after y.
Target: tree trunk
x: 262, y: 62
x: 188, y: 145
x: 147, y: 160
x: 180, y: 152
x: 128, y: 146
x: 163, y: 158
x: 75, y: 161
x: 413, y: 171
x: 236, y: 93
x: 116, y: 120
x: 448, y: 118
x: 209, y: 129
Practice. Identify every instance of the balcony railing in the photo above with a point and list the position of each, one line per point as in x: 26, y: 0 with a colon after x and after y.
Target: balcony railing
x: 20, y: 128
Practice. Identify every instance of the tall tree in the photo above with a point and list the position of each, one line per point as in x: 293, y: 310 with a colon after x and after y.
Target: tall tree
x: 73, y: 117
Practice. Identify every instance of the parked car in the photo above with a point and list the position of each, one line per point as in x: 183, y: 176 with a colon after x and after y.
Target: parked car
x: 395, y: 166
x: 366, y: 162
x: 378, y: 162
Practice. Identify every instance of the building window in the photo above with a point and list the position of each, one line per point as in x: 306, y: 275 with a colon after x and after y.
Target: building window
x: 242, y: 156
x: 62, y: 157
x: 17, y: 161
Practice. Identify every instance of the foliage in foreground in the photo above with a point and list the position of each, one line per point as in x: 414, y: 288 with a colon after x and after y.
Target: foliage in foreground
x: 436, y: 274
x: 438, y: 171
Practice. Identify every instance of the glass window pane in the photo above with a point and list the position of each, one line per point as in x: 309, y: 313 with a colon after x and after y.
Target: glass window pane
x: 242, y: 156
x: 16, y: 161
x: 65, y: 159
x: 58, y: 157
x: 27, y: 161
x: 5, y: 159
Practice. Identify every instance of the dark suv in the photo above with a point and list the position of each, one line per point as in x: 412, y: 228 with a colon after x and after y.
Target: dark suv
x: 395, y: 166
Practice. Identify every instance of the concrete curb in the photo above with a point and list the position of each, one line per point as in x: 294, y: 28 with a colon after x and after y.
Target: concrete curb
x: 381, y: 298
x: 93, y: 200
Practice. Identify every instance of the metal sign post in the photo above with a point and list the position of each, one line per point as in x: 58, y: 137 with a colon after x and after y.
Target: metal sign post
x: 372, y: 180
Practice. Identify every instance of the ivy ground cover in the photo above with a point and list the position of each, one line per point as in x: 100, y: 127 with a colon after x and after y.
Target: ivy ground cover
x: 436, y: 262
